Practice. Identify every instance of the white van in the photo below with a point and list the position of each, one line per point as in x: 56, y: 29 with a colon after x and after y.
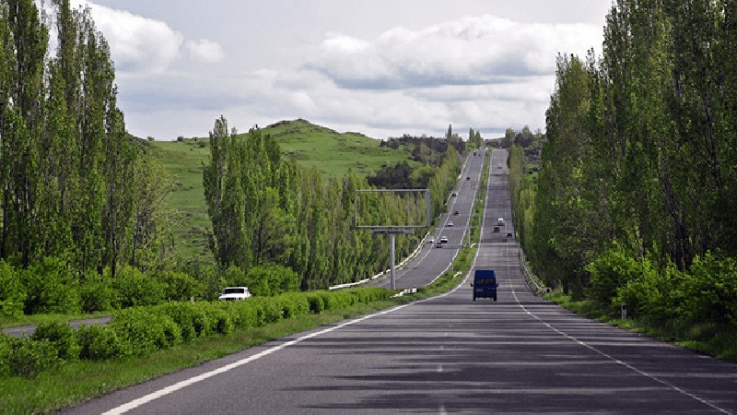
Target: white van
x: 500, y: 222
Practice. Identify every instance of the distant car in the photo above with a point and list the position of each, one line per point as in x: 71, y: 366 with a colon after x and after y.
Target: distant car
x: 432, y: 240
x: 498, y: 166
x: 454, y: 194
x: 456, y: 213
x: 234, y: 294
x: 443, y: 240
x: 450, y: 223
x: 468, y: 177
x: 500, y: 222
x: 509, y: 235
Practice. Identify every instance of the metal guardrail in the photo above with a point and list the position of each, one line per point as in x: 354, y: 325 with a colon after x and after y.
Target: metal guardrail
x: 529, y: 276
x: 382, y: 273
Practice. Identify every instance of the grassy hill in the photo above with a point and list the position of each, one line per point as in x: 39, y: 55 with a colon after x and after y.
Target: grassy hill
x: 311, y: 145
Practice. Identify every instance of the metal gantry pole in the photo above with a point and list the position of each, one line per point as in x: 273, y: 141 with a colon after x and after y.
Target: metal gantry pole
x: 391, y: 238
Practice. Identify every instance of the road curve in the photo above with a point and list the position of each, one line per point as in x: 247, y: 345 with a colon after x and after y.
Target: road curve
x: 449, y: 354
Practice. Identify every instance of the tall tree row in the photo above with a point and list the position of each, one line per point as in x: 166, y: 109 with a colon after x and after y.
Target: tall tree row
x: 642, y: 142
x: 73, y: 184
x: 268, y: 210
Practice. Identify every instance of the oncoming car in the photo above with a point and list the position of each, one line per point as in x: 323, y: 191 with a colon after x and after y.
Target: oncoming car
x: 234, y: 294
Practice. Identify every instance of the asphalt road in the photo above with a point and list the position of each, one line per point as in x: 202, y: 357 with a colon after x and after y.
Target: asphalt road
x: 449, y: 354
x: 432, y: 261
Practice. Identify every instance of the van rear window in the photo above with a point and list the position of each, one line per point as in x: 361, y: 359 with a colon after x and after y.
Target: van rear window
x: 485, y: 281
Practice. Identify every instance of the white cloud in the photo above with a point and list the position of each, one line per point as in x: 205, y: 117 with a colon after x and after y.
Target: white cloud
x: 466, y: 51
x: 137, y: 44
x: 204, y: 50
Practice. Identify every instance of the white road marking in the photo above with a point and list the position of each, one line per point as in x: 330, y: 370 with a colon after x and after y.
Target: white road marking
x: 183, y: 384
x: 615, y: 360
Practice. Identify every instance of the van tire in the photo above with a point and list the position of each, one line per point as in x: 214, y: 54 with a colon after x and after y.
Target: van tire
x: 474, y: 298
x: 494, y: 297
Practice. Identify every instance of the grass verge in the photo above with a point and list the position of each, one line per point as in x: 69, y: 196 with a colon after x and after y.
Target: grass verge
x: 716, y: 340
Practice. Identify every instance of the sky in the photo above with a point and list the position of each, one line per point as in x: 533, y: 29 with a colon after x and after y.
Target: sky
x: 383, y: 68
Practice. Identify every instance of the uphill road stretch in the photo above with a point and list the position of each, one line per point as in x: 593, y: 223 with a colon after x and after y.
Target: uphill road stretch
x: 449, y: 354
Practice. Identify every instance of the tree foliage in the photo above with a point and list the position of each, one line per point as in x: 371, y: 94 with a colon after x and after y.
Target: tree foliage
x: 268, y: 211
x: 635, y: 195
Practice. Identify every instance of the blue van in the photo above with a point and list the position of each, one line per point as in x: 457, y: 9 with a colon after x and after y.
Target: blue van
x: 484, y: 284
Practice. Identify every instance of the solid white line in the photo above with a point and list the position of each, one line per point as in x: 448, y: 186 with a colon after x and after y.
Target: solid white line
x: 183, y: 384
x: 614, y: 359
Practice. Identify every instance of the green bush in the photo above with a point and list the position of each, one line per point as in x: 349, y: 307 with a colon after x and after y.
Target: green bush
x: 62, y: 336
x: 30, y: 357
x: 293, y: 304
x: 611, y: 271
x: 7, y: 345
x: 271, y: 280
x: 710, y: 291
x: 654, y: 295
x: 136, y: 288
x: 268, y: 311
x: 142, y: 331
x: 243, y: 313
x: 178, y: 286
x: 98, y: 294
x: 185, y: 315
x: 99, y: 342
x: 316, y: 302
x: 12, y: 291
x: 222, y: 323
x: 51, y: 287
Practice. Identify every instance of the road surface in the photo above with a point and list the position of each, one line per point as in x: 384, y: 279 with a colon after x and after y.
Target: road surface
x: 449, y: 354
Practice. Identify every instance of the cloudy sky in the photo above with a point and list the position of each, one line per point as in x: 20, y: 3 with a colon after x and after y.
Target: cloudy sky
x: 380, y: 67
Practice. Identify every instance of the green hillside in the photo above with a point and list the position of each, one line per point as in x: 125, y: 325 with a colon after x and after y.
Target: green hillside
x: 311, y: 145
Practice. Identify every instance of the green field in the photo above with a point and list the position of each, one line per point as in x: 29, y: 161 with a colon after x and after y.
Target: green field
x: 310, y: 145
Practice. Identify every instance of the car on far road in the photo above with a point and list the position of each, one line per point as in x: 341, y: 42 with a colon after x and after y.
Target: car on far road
x: 468, y: 177
x: 234, y: 294
x: 498, y: 166
x: 456, y: 213
x: 454, y: 194
x: 450, y: 223
x: 500, y: 222
x: 443, y: 240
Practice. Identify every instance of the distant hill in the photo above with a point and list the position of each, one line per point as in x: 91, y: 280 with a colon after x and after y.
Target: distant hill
x: 332, y: 152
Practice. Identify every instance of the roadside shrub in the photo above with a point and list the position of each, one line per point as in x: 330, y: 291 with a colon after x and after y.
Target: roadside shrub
x: 141, y: 331
x: 316, y: 302
x: 30, y: 357
x: 98, y: 343
x: 98, y: 294
x: 243, y: 314
x: 12, y: 291
x: 611, y: 271
x: 7, y: 345
x: 271, y: 280
x: 710, y: 291
x: 268, y: 310
x: 135, y: 288
x: 293, y: 305
x: 51, y: 287
x: 62, y: 336
x: 336, y: 300
x: 178, y: 286
x: 234, y: 277
x: 184, y: 315
x: 221, y: 320
x: 652, y: 294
